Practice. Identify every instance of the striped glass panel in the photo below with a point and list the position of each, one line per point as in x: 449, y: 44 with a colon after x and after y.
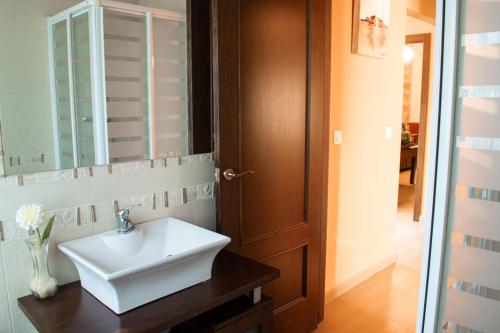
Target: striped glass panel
x: 125, y: 49
x: 470, y: 292
x: 171, y: 92
x: 83, y: 90
x: 62, y: 92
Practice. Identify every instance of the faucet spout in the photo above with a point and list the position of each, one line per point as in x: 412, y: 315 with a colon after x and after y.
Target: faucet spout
x: 124, y: 224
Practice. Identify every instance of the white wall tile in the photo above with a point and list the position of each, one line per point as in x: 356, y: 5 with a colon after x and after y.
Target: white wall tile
x: 61, y: 194
x: 200, y: 212
x: 53, y: 196
x: 5, y: 322
x: 18, y: 270
x: 61, y: 267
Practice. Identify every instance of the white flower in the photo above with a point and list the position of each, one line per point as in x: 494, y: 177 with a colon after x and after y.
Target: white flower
x: 30, y: 216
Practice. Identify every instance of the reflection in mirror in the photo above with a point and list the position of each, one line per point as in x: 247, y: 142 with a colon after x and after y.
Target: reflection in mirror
x: 93, y: 82
x: 413, y: 60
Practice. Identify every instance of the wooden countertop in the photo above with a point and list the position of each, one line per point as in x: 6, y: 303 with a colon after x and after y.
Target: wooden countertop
x: 73, y: 309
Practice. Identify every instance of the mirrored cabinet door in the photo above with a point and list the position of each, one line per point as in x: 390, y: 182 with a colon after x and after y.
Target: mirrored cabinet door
x: 127, y: 96
x: 112, y: 82
x: 108, y: 82
x: 81, y: 66
x: 62, y: 107
x: 170, y: 87
x: 71, y: 87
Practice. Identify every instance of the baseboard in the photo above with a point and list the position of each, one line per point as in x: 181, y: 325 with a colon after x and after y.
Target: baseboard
x: 356, y: 279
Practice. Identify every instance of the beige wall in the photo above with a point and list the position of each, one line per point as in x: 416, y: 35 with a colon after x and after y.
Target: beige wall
x: 188, y: 181
x: 366, y: 97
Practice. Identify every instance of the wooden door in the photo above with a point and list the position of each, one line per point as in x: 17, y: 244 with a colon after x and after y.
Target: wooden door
x: 425, y: 39
x: 269, y: 85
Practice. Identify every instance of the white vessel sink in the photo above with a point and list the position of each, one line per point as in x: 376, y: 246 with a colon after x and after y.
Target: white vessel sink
x: 156, y: 259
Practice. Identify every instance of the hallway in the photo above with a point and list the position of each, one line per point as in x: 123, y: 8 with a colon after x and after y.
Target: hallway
x: 387, y: 302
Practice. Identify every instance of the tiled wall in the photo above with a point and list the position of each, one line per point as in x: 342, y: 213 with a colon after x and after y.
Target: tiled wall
x: 2, y: 168
x: 84, y: 201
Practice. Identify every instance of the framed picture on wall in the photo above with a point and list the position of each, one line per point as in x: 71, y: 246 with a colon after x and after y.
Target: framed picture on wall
x: 370, y: 27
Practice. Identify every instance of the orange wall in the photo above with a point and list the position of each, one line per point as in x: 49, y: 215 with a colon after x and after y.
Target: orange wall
x: 366, y: 97
x: 424, y: 7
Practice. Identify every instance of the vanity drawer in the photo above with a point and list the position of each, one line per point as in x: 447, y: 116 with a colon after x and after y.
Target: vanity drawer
x: 236, y: 316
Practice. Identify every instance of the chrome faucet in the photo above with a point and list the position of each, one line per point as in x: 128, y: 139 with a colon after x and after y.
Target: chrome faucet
x: 124, y: 224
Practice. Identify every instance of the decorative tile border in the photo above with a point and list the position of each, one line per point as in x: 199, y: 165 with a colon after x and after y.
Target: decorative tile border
x: 14, y: 162
x: 147, y: 207
x: 2, y: 167
x: 152, y: 205
x: 120, y: 168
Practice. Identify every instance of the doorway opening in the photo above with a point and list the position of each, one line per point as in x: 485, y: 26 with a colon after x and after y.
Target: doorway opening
x: 412, y: 167
x: 380, y: 116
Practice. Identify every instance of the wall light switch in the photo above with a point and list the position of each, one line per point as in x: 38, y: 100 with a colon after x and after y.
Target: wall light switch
x: 337, y: 137
x: 388, y: 132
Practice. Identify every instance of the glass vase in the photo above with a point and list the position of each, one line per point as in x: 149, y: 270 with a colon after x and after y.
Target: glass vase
x: 42, y: 284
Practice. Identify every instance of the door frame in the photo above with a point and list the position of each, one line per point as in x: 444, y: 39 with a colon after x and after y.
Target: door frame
x: 326, y: 71
x: 425, y: 39
x: 441, y: 148
x: 326, y: 157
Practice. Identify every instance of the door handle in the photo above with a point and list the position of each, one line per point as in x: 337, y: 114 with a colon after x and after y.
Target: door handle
x: 230, y: 174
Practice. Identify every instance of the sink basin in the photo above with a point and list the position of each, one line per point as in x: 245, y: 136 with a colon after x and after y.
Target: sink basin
x: 156, y: 259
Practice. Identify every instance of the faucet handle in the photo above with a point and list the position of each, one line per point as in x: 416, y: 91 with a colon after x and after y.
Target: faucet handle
x: 124, y: 212
x: 124, y: 224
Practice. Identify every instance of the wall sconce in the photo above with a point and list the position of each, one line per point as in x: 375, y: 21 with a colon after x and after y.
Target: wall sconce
x: 408, y: 54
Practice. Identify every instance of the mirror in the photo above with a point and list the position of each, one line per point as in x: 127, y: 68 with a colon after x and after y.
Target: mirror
x: 95, y: 82
x: 413, y: 62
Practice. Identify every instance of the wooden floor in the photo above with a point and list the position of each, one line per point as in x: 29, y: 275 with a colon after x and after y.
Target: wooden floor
x: 387, y: 302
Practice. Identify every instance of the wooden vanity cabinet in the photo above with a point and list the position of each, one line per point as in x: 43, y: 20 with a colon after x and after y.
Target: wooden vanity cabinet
x: 237, y: 316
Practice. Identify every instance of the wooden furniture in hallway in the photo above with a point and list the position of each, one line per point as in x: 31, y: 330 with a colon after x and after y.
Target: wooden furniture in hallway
x: 409, y: 161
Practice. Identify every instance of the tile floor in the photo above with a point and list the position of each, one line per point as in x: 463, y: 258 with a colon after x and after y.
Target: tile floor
x: 387, y: 302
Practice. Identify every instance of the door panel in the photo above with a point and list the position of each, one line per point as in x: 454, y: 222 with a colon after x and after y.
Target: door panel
x: 273, y: 78
x: 269, y: 68
x: 291, y: 285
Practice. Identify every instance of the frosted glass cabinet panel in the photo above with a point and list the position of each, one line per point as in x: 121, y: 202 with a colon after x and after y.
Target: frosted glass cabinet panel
x: 170, y: 77
x: 64, y: 119
x: 126, y: 63
x: 83, y: 90
x: 470, y: 291
x: 72, y: 85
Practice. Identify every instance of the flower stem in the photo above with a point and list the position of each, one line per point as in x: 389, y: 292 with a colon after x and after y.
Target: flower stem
x: 39, y: 236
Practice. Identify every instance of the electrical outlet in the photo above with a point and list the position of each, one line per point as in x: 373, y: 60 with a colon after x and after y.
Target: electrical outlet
x: 337, y: 137
x: 388, y: 132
